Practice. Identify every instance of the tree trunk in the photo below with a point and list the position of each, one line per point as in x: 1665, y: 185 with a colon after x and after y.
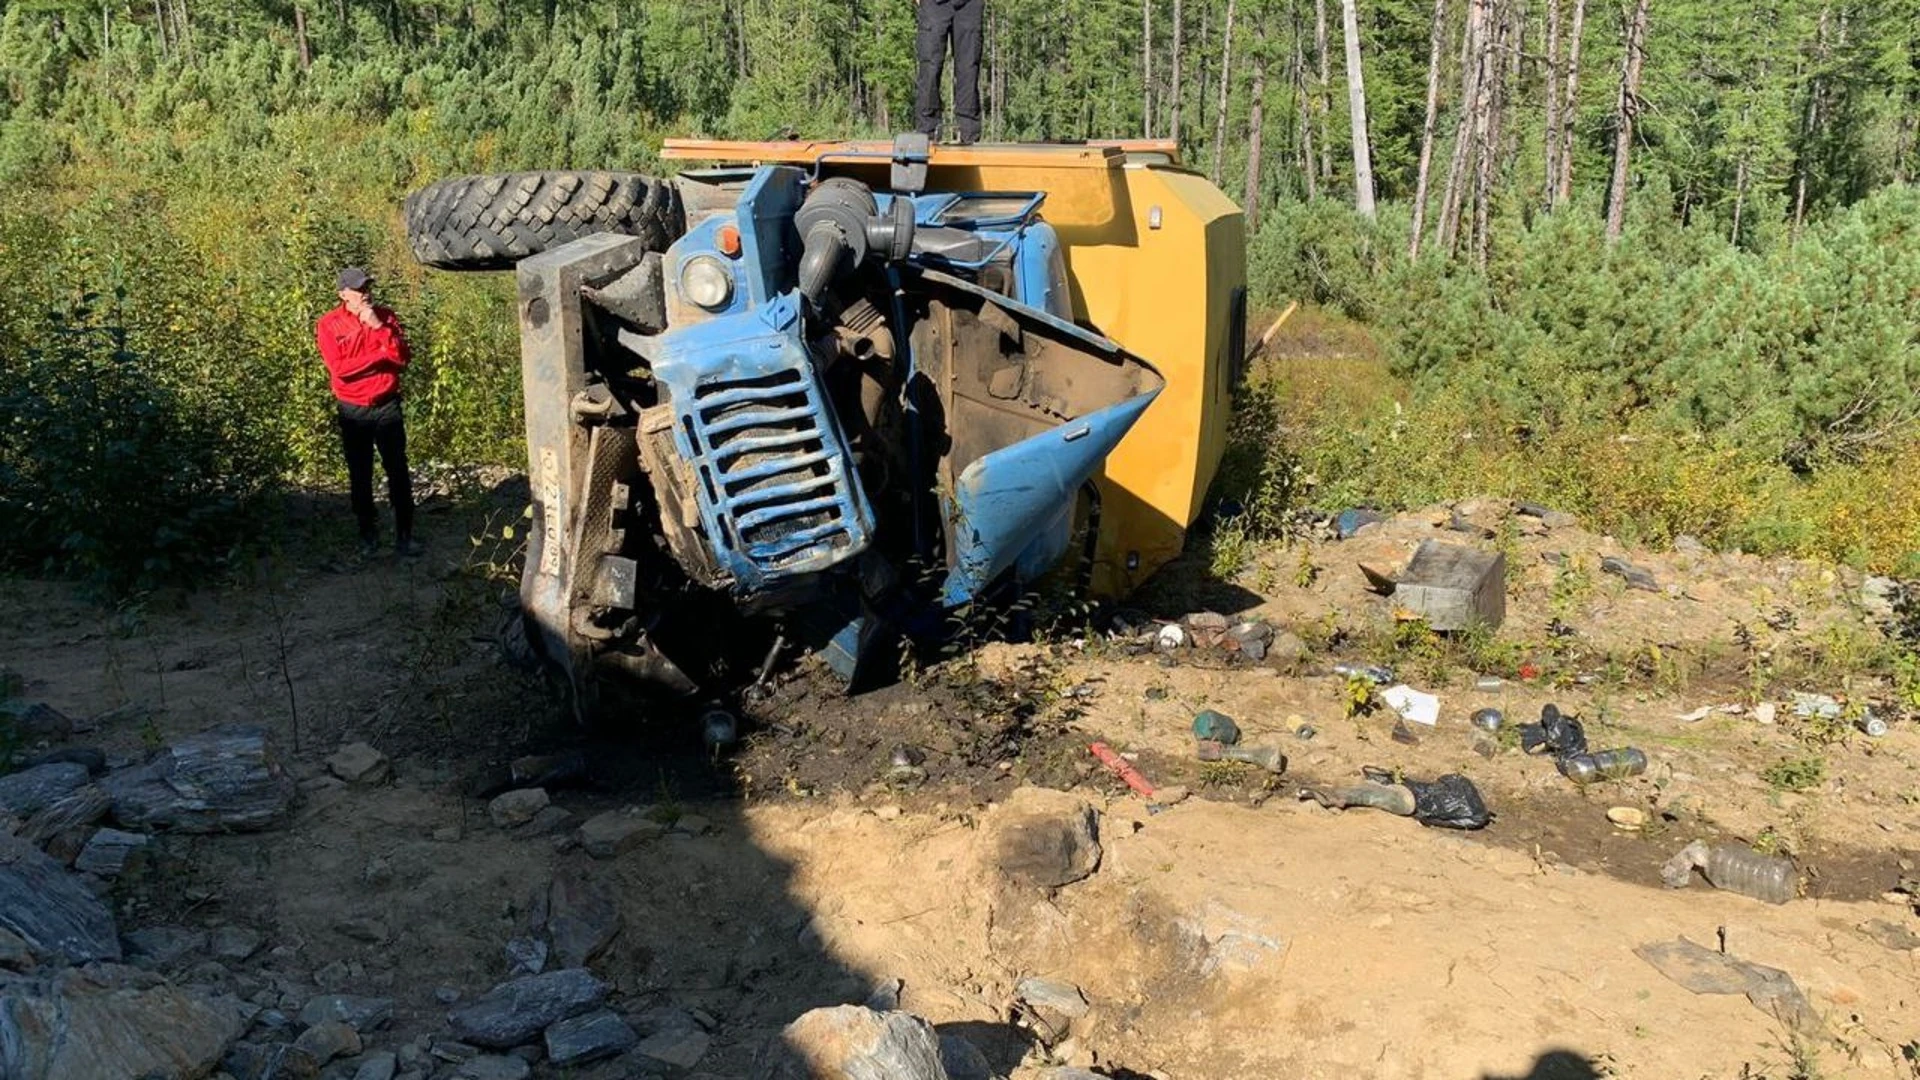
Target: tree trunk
x: 1226, y: 84
x: 1903, y: 140
x: 1173, y: 92
x: 1628, y: 107
x: 1552, y: 174
x: 1303, y: 112
x: 1472, y: 61
x: 1357, y: 106
x: 1256, y: 129
x: 1326, y: 88
x: 1146, y: 69
x: 300, y: 37
x: 1437, y: 39
x: 1492, y: 108
x: 1739, y: 198
x: 160, y: 28
x: 1570, y: 104
x: 1810, y: 123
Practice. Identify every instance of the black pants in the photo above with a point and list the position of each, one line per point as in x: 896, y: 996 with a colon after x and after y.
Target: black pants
x: 363, y: 429
x: 939, y: 21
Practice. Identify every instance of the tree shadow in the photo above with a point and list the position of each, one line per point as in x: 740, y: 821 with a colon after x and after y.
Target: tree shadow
x: 1557, y: 1065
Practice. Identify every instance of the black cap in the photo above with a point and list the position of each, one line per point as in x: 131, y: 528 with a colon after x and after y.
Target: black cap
x: 355, y: 278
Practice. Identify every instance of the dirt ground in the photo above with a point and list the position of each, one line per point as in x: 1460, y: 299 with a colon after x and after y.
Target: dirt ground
x: 1242, y: 933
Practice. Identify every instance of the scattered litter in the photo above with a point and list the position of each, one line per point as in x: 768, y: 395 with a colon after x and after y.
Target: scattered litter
x: 1404, y: 735
x: 1630, y: 818
x: 1488, y: 720
x: 1823, y: 706
x: 1451, y: 802
x: 1564, y: 738
x: 1267, y: 757
x: 1634, y: 576
x: 1696, y: 715
x: 1488, y: 683
x: 1119, y: 767
x: 1171, y: 636
x: 1352, y: 520
x: 1891, y: 935
x: 1584, y: 769
x: 1412, y: 705
x: 1252, y: 638
x: 1373, y: 673
x: 1705, y: 971
x: 1870, y: 725
x: 1216, y: 726
x: 1305, y: 732
x: 1765, y: 712
x: 1734, y: 869
x: 1454, y: 587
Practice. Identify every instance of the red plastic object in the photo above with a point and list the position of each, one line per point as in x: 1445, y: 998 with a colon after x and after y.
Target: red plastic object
x: 1120, y: 767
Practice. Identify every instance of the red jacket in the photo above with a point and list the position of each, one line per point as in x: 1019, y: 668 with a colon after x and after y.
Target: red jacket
x: 363, y: 363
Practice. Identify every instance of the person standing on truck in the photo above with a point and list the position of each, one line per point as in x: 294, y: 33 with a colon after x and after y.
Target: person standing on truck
x: 939, y: 22
x: 364, y: 350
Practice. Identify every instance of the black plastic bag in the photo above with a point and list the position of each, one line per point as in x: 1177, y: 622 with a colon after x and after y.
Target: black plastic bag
x: 1451, y: 802
x: 1558, y: 734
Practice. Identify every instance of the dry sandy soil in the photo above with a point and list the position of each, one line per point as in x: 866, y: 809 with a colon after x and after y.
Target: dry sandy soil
x: 1241, y: 933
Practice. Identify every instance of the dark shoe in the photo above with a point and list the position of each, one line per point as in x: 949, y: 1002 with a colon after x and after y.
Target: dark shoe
x: 409, y: 547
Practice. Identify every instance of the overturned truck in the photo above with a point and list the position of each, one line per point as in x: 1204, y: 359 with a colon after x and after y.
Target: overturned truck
x: 823, y: 396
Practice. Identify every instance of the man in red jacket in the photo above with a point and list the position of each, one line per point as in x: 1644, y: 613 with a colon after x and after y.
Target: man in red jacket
x: 364, y: 351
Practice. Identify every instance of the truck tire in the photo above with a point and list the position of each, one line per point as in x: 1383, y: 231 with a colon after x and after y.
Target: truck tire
x: 491, y: 222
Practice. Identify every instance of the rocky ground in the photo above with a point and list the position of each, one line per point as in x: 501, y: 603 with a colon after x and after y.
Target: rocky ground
x: 313, y: 826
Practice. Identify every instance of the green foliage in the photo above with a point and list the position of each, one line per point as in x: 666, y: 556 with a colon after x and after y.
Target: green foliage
x: 1796, y: 774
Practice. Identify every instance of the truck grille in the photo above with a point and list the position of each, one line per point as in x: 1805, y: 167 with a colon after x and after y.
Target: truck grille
x: 775, y: 480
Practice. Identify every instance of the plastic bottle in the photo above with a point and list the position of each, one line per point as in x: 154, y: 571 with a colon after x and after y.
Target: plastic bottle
x: 1734, y: 869
x: 1487, y: 719
x: 1216, y: 727
x: 1871, y: 725
x: 1584, y: 769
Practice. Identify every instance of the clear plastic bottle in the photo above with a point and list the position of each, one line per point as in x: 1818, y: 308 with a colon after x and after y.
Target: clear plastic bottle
x: 1734, y: 869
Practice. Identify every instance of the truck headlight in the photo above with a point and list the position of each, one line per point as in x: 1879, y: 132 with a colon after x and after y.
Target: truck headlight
x: 706, y: 281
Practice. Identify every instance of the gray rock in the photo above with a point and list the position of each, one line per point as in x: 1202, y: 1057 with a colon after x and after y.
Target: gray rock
x: 26, y: 792
x: 377, y: 1067
x: 516, y: 808
x: 362, y: 1014
x: 365, y: 928
x: 109, y: 851
x: 329, y: 1039
x: 493, y: 1067
x: 589, y: 1037
x: 526, y: 956
x: 269, y: 1061
x: 682, y: 1048
x: 358, y: 763
x: 1049, y: 849
x: 446, y: 995
x: 550, y: 820
x: 1051, y: 1007
x: 94, y: 760
x: 1287, y: 649
x: 583, y: 917
x: 226, y: 780
x: 516, y: 1011
x: 111, y: 1021
x: 1207, y: 620
x: 14, y: 953
x: 75, y: 810
x: 616, y: 832
x: 36, y: 720
x: 849, y: 1042
x: 163, y: 946
x: 235, y: 942
x: 963, y: 1060
x: 50, y: 909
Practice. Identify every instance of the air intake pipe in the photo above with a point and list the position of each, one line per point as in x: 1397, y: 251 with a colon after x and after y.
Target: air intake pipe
x: 840, y: 225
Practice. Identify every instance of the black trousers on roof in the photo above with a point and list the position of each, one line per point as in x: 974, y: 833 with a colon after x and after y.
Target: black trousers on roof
x: 941, y: 20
